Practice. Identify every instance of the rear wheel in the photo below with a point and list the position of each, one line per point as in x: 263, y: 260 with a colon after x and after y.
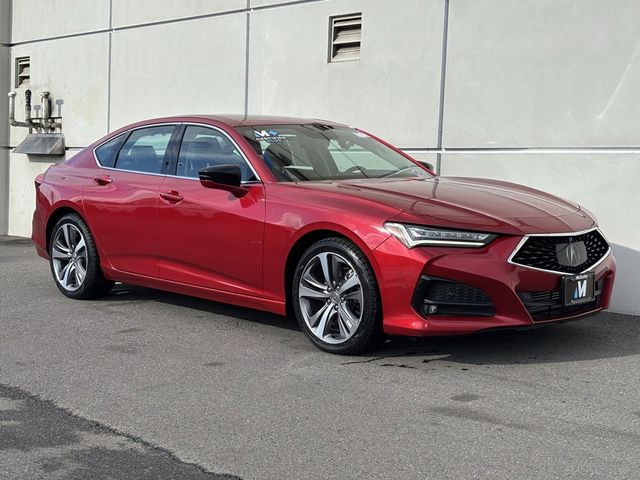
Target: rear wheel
x: 335, y: 297
x: 74, y: 260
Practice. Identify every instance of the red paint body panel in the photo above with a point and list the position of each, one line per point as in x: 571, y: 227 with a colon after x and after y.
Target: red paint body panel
x: 124, y: 209
x: 174, y: 234
x: 212, y: 238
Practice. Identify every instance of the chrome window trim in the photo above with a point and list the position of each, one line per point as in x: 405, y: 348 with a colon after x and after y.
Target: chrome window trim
x: 564, y: 234
x: 95, y: 157
x: 213, y: 127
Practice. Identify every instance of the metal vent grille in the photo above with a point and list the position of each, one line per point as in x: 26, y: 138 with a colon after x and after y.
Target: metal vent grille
x: 23, y: 72
x: 541, y: 251
x: 345, y: 34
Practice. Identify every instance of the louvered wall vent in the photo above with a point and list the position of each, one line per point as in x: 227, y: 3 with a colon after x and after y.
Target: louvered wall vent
x: 345, y: 33
x: 23, y: 72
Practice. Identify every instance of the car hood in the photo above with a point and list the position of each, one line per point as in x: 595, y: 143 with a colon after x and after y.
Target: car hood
x: 469, y: 203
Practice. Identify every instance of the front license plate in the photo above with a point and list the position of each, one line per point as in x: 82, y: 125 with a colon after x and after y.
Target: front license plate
x: 579, y: 288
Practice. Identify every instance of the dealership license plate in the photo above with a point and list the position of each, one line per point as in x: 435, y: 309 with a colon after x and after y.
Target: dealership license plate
x: 579, y: 288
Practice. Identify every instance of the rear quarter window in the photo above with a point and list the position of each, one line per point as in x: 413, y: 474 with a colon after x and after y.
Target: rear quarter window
x: 106, y: 153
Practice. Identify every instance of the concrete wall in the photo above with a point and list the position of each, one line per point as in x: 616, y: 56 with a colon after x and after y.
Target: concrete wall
x: 543, y: 73
x: 542, y: 92
x: 394, y: 88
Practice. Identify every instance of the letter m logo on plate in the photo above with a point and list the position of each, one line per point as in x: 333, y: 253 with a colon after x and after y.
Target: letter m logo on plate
x: 581, y: 289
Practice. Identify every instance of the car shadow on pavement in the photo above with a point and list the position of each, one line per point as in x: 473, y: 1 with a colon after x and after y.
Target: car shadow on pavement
x: 133, y: 293
x: 606, y: 335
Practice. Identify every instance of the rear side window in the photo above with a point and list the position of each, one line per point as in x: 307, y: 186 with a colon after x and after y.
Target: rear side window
x: 144, y: 150
x: 106, y: 153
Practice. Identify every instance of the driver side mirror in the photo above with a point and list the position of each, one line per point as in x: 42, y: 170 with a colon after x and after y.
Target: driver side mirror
x: 223, y: 177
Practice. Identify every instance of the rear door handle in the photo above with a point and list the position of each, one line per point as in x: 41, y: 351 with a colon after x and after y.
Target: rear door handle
x: 103, y: 180
x: 171, y: 196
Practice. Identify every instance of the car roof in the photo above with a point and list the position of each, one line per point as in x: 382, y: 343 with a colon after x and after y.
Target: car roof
x: 236, y: 120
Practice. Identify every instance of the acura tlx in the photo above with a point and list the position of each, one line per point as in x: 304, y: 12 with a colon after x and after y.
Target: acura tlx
x: 328, y: 223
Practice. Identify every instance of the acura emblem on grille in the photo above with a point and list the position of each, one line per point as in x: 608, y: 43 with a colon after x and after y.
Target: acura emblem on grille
x: 571, y: 254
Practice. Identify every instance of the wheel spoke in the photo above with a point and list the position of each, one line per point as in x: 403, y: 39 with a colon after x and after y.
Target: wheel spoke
x: 65, y: 274
x: 67, y: 235
x: 59, y: 254
x: 81, y: 272
x: 308, y: 292
x: 326, y: 268
x: 347, y: 317
x: 344, y: 329
x: 306, y: 276
x: 349, y: 283
x: 79, y: 246
x: 323, y: 323
x: 354, y: 295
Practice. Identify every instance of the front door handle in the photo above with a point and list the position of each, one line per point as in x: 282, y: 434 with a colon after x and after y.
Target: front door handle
x: 103, y: 180
x: 172, y: 196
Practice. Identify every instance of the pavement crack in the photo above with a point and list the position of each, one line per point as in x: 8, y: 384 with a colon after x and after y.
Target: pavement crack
x: 53, y: 436
x: 384, y: 357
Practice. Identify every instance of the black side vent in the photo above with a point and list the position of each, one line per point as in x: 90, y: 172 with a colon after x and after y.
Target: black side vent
x: 439, y: 296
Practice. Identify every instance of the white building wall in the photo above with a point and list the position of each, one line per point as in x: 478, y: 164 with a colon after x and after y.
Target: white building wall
x: 394, y: 89
x: 543, y: 73
x: 526, y: 84
x: 193, y: 66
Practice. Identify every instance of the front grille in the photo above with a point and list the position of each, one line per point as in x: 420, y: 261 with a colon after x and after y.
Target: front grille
x: 542, y: 251
x: 547, y: 305
x: 451, y: 298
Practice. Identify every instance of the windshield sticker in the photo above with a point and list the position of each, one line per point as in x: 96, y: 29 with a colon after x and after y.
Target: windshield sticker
x: 269, y: 136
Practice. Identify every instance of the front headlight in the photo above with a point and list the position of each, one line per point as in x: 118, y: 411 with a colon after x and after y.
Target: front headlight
x: 415, y: 235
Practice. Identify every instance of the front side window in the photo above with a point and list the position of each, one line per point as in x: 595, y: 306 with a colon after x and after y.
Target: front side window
x: 144, y: 150
x: 204, y: 147
x: 297, y: 153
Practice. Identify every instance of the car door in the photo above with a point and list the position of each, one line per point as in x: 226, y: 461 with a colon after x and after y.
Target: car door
x: 211, y: 237
x: 121, y: 204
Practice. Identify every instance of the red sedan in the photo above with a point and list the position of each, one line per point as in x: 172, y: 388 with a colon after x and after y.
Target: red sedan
x: 352, y: 235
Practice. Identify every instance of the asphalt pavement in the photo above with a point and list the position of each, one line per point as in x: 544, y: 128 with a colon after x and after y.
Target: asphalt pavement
x: 150, y: 385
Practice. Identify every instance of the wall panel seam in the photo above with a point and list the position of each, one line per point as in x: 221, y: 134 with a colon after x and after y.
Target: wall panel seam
x: 203, y: 16
x: 443, y: 81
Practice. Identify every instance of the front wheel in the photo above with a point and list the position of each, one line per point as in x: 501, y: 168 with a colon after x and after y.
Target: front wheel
x: 74, y: 260
x: 335, y: 297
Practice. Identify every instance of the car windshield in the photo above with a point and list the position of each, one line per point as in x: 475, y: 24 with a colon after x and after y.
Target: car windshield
x: 297, y: 153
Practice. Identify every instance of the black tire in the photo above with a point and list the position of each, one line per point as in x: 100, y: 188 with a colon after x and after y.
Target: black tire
x: 368, y: 332
x: 93, y: 284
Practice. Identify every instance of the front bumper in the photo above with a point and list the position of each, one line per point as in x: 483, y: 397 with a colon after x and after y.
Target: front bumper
x: 399, y: 271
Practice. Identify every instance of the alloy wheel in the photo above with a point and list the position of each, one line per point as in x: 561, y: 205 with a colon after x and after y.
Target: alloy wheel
x: 330, y: 297
x: 69, y: 257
